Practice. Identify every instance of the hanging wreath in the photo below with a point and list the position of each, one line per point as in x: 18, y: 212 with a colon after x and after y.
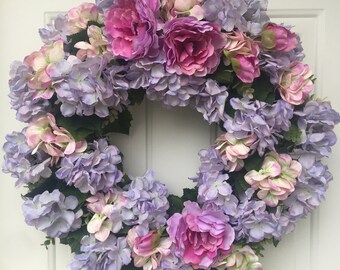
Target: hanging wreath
x: 223, y: 58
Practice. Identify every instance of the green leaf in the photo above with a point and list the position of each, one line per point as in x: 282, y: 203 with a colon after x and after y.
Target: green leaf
x: 190, y: 194
x: 81, y: 127
x: 254, y: 162
x: 240, y: 185
x: 73, y: 239
x: 276, y: 242
x: 48, y: 184
x: 263, y: 89
x: 293, y: 134
x: 176, y: 204
x: 131, y: 266
x: 136, y: 96
x: 223, y: 76
x: 121, y: 125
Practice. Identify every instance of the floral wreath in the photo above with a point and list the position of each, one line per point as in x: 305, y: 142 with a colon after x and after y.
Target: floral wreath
x: 226, y: 60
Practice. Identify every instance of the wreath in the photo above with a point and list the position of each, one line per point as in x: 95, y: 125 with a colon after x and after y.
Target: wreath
x: 223, y: 58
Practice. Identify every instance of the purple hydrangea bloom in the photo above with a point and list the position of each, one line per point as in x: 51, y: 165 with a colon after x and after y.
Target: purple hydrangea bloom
x: 317, y: 121
x: 170, y: 89
x: 274, y: 63
x: 52, y: 213
x: 211, y: 100
x: 55, y: 31
x: 211, y: 163
x: 21, y: 164
x: 93, y: 171
x: 113, y: 253
x: 23, y: 98
x: 86, y: 91
x: 216, y: 194
x: 147, y: 199
x: 252, y: 222
x: 264, y: 120
x: 104, y: 4
x: 246, y: 15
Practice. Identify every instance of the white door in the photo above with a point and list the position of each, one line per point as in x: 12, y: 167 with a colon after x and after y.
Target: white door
x: 314, y: 245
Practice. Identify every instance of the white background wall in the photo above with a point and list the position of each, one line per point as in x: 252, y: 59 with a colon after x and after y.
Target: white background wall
x: 168, y: 141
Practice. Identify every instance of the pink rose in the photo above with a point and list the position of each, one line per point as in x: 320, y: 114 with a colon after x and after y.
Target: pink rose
x: 295, y: 85
x: 79, y: 17
x: 192, y: 47
x: 242, y: 52
x: 148, y: 249
x: 174, y: 8
x: 233, y: 151
x: 278, y: 38
x: 131, y: 28
x: 43, y: 133
x: 200, y: 237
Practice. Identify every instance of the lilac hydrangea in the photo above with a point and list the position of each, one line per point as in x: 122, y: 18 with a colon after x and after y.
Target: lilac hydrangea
x: 86, y: 91
x: 21, y: 164
x: 211, y: 101
x: 211, y: 163
x: 252, y: 222
x: 93, y: 171
x: 113, y: 253
x: 317, y: 121
x: 22, y: 97
x: 264, y: 120
x: 274, y: 63
x: 53, y: 213
x: 55, y: 31
x: 246, y: 15
x: 147, y: 199
x: 170, y: 89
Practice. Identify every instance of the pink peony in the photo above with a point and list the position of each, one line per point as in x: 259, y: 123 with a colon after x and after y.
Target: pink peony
x: 200, y: 237
x: 43, y: 133
x: 148, y: 249
x: 176, y: 8
x: 131, y: 28
x: 278, y: 38
x: 295, y: 85
x: 79, y: 17
x: 242, y: 52
x: 233, y: 151
x: 42, y: 62
x: 192, y: 47
x: 276, y: 179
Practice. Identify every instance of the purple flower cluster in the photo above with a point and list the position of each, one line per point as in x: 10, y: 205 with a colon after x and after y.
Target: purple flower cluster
x: 19, y: 162
x: 53, y: 213
x: 85, y: 92
x: 110, y: 254
x: 23, y: 98
x: 264, y: 120
x: 93, y: 171
x: 247, y: 16
x: 55, y: 31
x: 147, y: 199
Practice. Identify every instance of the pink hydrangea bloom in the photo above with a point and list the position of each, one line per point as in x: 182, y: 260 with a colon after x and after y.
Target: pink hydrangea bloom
x: 131, y: 28
x: 174, y: 8
x: 100, y: 225
x: 233, y: 151
x: 242, y: 52
x: 43, y: 133
x: 42, y: 62
x: 148, y: 249
x: 278, y: 38
x: 276, y: 179
x: 192, y: 47
x: 200, y: 236
x: 242, y: 258
x: 78, y: 17
x: 296, y: 84
x: 97, y: 44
